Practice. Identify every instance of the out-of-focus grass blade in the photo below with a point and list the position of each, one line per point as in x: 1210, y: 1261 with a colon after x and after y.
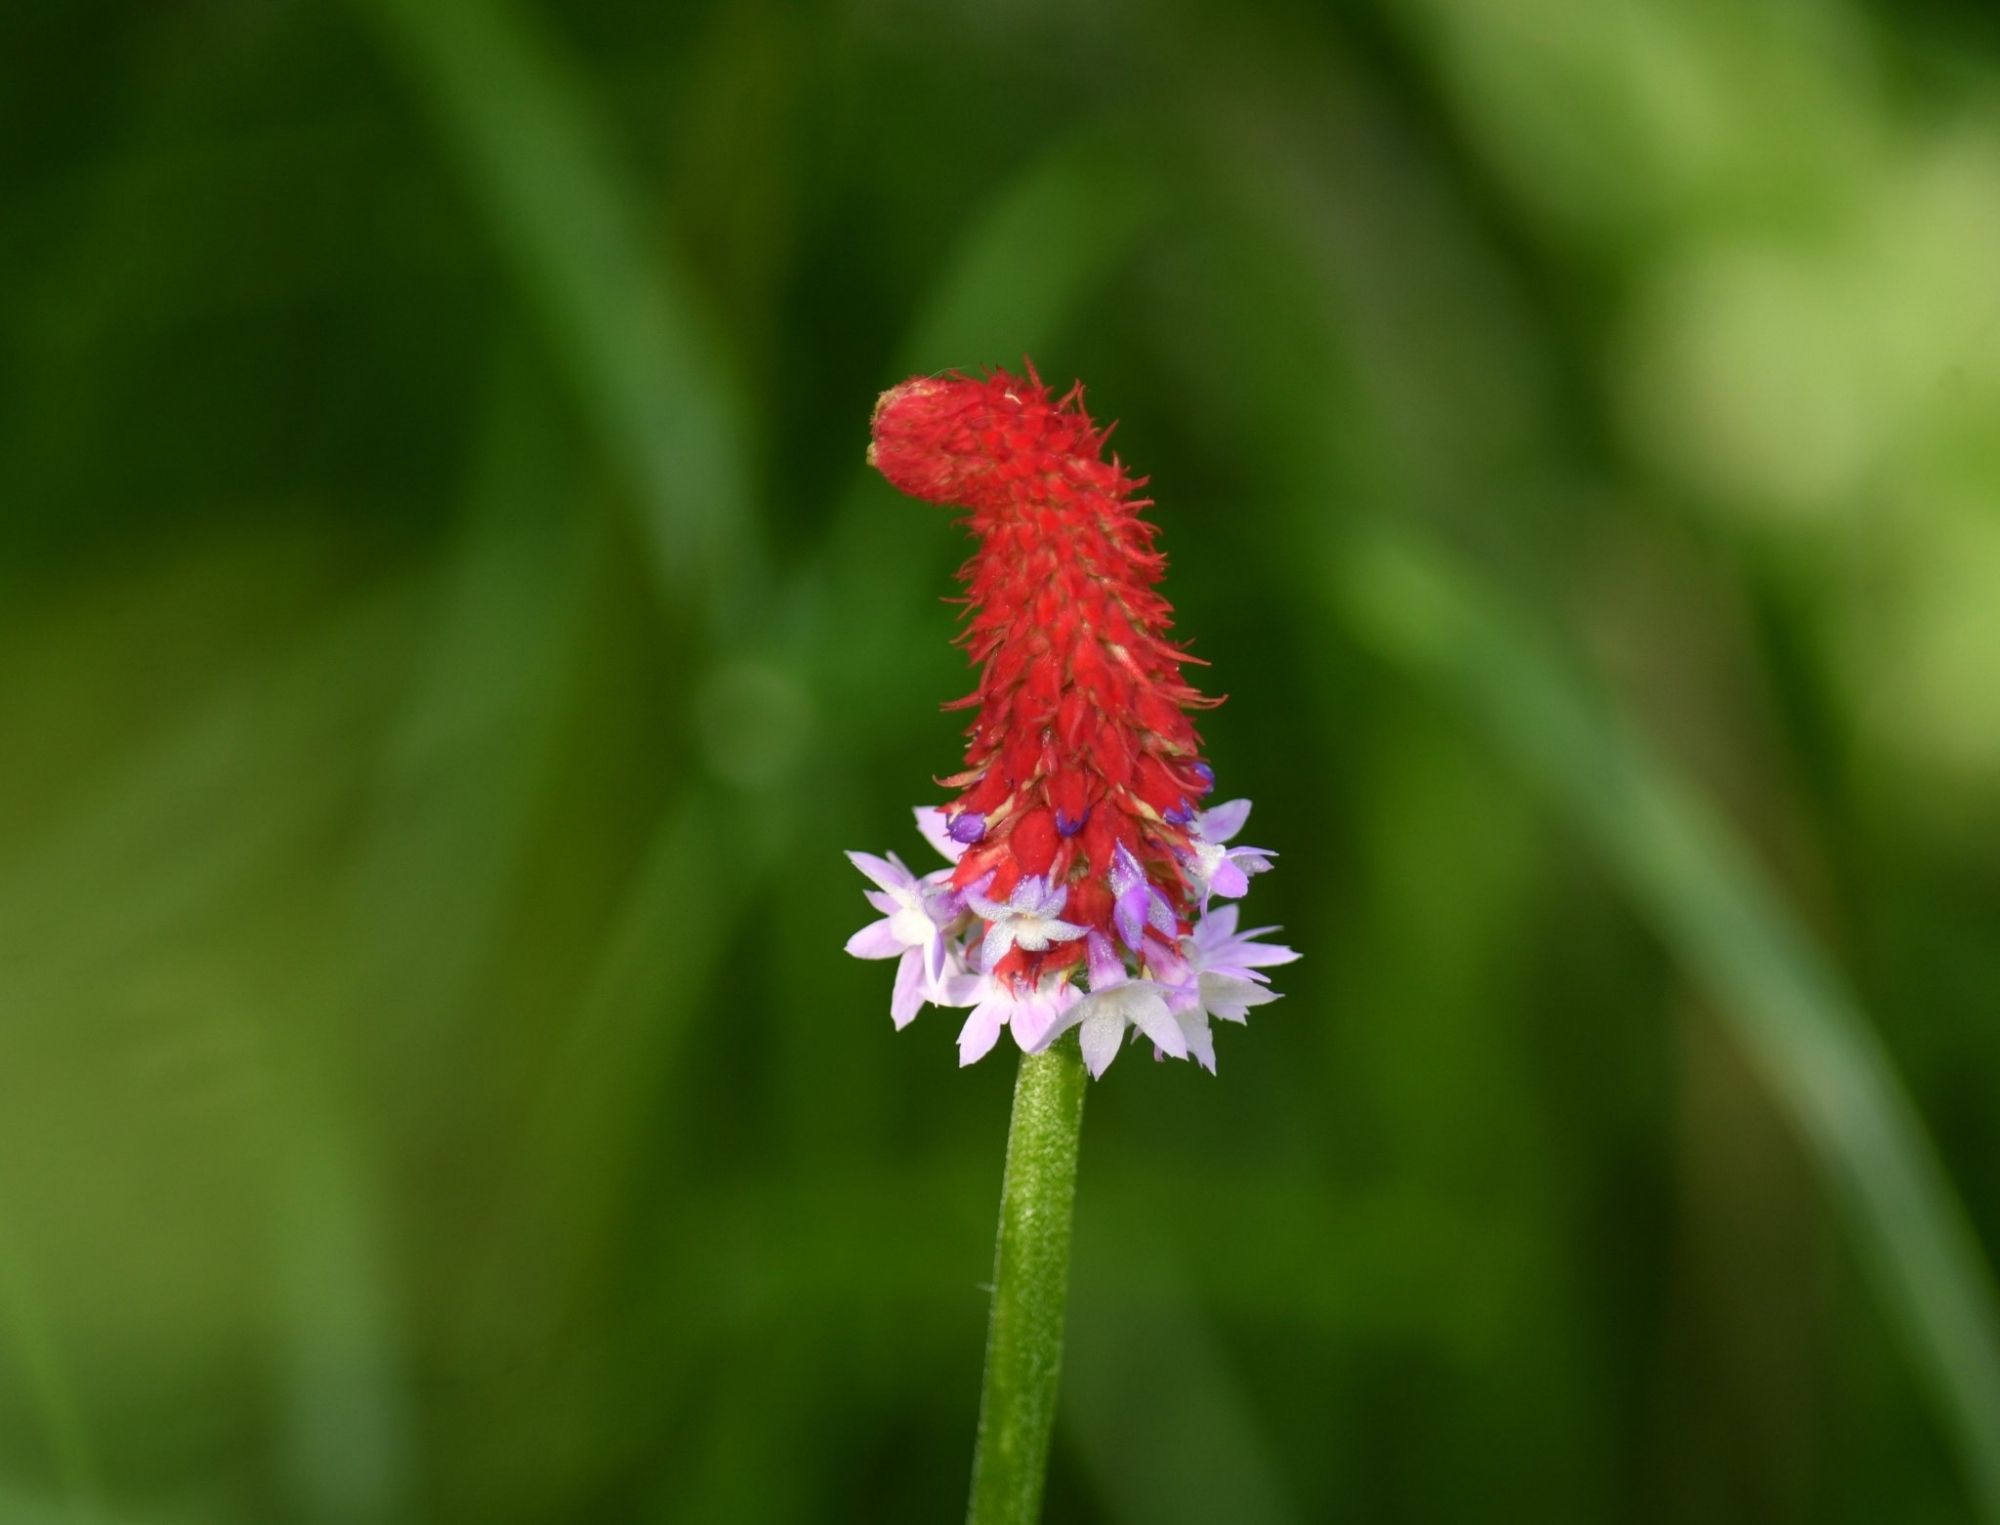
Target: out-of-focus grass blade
x: 805, y: 1249
x: 1772, y: 984
x: 166, y: 836
x: 627, y: 333
x: 31, y: 1344
x: 1154, y: 1383
x: 453, y: 799
x: 350, y: 1427
x: 617, y: 315
x: 766, y: 1388
x: 449, y: 812
x: 186, y: 818
x: 22, y: 1506
x: 657, y: 967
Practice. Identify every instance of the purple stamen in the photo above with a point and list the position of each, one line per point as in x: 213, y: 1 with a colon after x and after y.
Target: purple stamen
x: 1180, y: 815
x: 1070, y: 825
x: 969, y: 827
x: 1206, y: 774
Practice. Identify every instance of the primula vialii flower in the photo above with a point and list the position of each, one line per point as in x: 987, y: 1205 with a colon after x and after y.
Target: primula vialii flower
x: 1079, y: 860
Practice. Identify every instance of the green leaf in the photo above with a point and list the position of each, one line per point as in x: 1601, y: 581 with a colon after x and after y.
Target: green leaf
x: 1779, y: 993
x: 620, y: 317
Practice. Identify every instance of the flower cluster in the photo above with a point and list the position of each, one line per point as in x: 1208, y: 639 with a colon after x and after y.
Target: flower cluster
x: 1082, y: 879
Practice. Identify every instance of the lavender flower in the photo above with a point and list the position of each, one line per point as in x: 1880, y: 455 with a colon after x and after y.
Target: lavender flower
x: 1168, y: 986
x: 1033, y: 1016
x: 1221, y: 870
x: 1029, y: 918
x: 1215, y: 974
x: 1215, y: 946
x: 1103, y: 1018
x: 915, y: 916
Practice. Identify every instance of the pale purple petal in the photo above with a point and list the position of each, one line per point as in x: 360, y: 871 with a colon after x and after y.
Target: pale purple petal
x: 1106, y: 967
x: 931, y: 822
x: 1249, y: 954
x: 982, y: 1028
x: 962, y: 990
x: 1148, y: 1012
x: 1217, y: 946
x: 1035, y: 896
x: 875, y: 940
x: 1103, y: 1019
x: 1252, y: 860
x: 883, y: 901
x: 1129, y: 914
x: 890, y: 874
x: 1223, y: 821
x: 1229, y: 960
x: 944, y: 903
x: 1228, y: 880
x: 1029, y: 893
x: 1200, y: 1041
x: 1230, y: 998
x: 1099, y: 1037
x: 975, y: 896
x: 934, y: 959
x: 999, y: 941
x: 1030, y: 1025
x: 1126, y: 874
x: 1166, y: 966
x: 1038, y: 1018
x: 908, y: 998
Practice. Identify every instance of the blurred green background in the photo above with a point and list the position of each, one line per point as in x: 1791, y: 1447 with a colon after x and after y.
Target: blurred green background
x: 448, y: 634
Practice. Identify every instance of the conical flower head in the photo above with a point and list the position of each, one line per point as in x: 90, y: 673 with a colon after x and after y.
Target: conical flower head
x: 1075, y: 825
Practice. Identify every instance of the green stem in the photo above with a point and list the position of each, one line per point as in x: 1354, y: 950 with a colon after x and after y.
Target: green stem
x: 1017, y: 1406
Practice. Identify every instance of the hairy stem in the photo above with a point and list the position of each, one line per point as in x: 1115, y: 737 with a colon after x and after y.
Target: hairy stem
x: 1017, y: 1405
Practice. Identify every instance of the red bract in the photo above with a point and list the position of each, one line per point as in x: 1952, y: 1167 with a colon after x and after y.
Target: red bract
x: 1081, y: 742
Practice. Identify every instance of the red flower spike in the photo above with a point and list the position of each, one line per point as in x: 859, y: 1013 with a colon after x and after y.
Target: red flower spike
x: 1076, y: 853
x: 1082, y: 743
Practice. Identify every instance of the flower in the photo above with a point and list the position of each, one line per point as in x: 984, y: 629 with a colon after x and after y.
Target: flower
x: 1103, y: 1018
x: 1029, y: 920
x: 915, y: 914
x: 1225, y: 870
x: 1217, y: 977
x: 1173, y: 1013
x: 1216, y: 946
x: 1032, y: 1015
x: 937, y: 830
x: 1080, y: 868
